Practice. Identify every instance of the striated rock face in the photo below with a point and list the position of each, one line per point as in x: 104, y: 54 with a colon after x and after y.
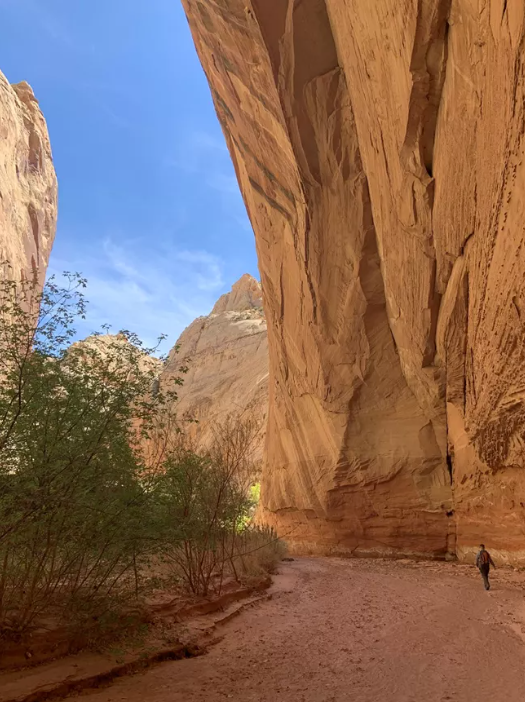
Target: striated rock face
x: 379, y: 148
x: 227, y: 358
x: 28, y: 186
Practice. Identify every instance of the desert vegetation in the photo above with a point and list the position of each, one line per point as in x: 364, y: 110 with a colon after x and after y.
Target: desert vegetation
x: 101, y: 497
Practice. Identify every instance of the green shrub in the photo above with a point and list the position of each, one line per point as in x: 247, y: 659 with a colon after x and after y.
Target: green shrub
x: 73, y: 507
x: 95, y: 481
x: 198, y: 507
x: 258, y: 551
x: 205, y: 505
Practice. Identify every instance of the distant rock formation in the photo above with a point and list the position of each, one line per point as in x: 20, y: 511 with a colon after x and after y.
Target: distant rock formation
x: 246, y: 294
x: 227, y: 357
x: 379, y: 147
x: 108, y: 346
x: 28, y: 185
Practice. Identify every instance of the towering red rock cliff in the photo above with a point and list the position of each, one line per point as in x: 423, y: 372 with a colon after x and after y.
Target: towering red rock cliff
x: 379, y: 149
x: 28, y: 186
x: 227, y: 358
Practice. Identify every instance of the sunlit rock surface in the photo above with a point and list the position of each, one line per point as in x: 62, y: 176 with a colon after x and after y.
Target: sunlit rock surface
x: 28, y: 186
x: 226, y: 354
x: 379, y: 149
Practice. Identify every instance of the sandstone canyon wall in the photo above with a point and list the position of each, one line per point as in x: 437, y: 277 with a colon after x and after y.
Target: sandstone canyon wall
x: 226, y: 354
x: 28, y: 186
x: 379, y: 149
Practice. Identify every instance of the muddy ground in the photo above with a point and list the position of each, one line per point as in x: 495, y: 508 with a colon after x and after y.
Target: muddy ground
x: 370, y: 631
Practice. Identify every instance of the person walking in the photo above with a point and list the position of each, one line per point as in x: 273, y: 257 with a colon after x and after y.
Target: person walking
x: 483, y: 562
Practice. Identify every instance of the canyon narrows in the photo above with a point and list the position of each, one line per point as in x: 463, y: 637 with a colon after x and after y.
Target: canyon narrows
x: 379, y: 150
x: 371, y: 384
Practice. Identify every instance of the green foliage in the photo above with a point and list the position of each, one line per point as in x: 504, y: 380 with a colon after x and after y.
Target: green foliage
x: 199, y: 505
x: 73, y: 507
x: 95, y: 481
x: 255, y: 494
x: 257, y: 551
x: 203, y: 516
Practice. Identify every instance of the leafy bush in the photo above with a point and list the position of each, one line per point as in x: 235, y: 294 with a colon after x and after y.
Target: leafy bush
x: 204, y: 528
x: 73, y: 508
x: 95, y: 477
x: 257, y: 551
x: 205, y: 505
x: 199, y: 507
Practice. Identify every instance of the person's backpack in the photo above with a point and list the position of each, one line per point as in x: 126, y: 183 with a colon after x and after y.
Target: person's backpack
x: 484, y: 558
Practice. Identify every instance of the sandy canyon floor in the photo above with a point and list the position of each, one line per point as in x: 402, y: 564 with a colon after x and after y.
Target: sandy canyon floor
x: 370, y: 631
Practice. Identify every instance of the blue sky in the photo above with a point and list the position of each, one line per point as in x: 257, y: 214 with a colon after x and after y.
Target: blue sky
x: 149, y: 208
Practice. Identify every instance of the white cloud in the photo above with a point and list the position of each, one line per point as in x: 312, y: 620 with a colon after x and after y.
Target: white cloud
x: 224, y: 183
x: 52, y: 24
x: 207, y: 268
x: 150, y: 292
x: 200, y: 152
x: 205, y: 156
x: 206, y: 141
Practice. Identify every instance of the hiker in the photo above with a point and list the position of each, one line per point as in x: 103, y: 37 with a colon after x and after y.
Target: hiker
x: 483, y: 562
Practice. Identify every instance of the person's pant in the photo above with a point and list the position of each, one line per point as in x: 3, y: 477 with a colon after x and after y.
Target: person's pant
x: 484, y: 570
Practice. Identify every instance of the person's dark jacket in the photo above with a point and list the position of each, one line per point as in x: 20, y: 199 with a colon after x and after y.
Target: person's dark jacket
x: 484, y: 559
